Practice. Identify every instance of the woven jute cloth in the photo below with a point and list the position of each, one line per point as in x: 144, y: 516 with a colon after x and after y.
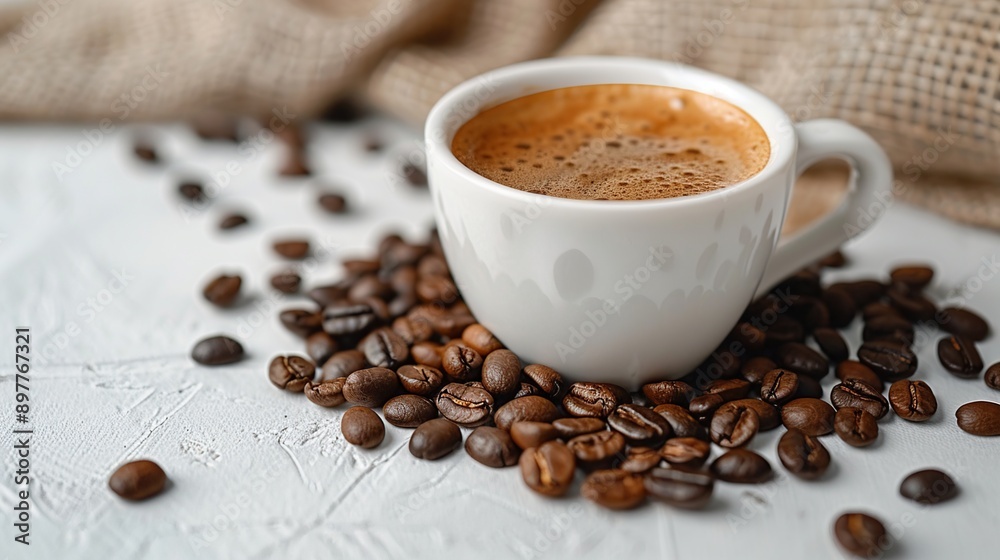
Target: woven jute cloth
x: 922, y: 77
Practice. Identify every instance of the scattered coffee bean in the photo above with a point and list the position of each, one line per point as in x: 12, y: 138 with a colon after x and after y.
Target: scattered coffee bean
x: 686, y: 451
x: 992, y: 376
x: 862, y: 292
x: 548, y: 469
x: 478, y: 337
x: 768, y: 415
x: 546, y: 379
x: 231, y: 221
x: 751, y: 338
x: 809, y: 387
x: 734, y: 426
x: 464, y: 405
x: 681, y: 422
x: 680, y: 488
x: 420, y: 380
x: 384, y: 348
x: 840, y: 306
x: 754, y: 369
x: 408, y: 411
x: 327, y: 393
x: 979, y: 418
x: 914, y: 277
x: 615, y: 489
x: 858, y: 394
x: 434, y: 439
x: 964, y: 323
x: 138, y: 480
x: 639, y: 425
x: 527, y: 390
x: 191, y: 191
x: 415, y: 176
x: 879, y: 309
x: 569, y: 428
x: 850, y: 369
x: 728, y: 389
x: 328, y: 294
x: 640, y: 459
x: 833, y: 260
x: 345, y: 318
x: 669, y: 392
x: 320, y: 347
x: 597, y: 446
x: 145, y: 151
x: 959, y: 356
x: 596, y: 400
x: 802, y: 360
x: 532, y: 434
x: 492, y: 447
x: 362, y: 427
x: 342, y: 364
x: 913, y: 306
x: 855, y: 426
x: 502, y: 373
x: 301, y: 322
x: 779, y: 386
x: 286, y: 282
x: 532, y: 408
x: 912, y: 400
x: 371, y: 387
x: 889, y: 360
x: 832, y: 344
x: 427, y: 354
x: 332, y: 203
x: 861, y: 535
x: 222, y: 290
x: 216, y: 351
x: 291, y: 373
x: 803, y: 455
x: 929, y: 486
x: 741, y: 466
x: 813, y: 416
x: 704, y: 406
x: 460, y: 361
x: 293, y: 249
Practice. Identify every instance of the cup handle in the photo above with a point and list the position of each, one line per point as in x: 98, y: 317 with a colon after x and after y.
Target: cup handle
x: 868, y: 194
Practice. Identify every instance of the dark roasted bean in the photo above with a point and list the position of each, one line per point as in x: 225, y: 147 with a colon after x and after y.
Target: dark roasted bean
x: 291, y: 373
x: 533, y: 408
x: 862, y: 292
x: 811, y: 312
x: 668, y: 392
x: 686, y: 451
x: 286, y: 282
x: 327, y: 295
x: 420, y: 380
x: 809, y: 387
x: 527, y: 390
x: 412, y: 332
x: 858, y: 394
x: 861, y: 535
x: 222, y: 290
x: 293, y: 249
x: 502, y: 373
x: 640, y: 459
x: 835, y: 259
x: 888, y: 327
x: 779, y: 386
x: 992, y: 376
x: 326, y: 393
x: 741, y: 466
x: 855, y: 426
x: 891, y: 361
x: 769, y: 415
x: 879, y: 309
x: 962, y: 322
x: 959, y: 356
x: 479, y: 338
x: 734, y: 426
x: 546, y: 379
x: 427, y: 354
x: 916, y: 277
x: 532, y: 434
x: 680, y: 488
x: 704, y: 406
x: 728, y: 389
x: 596, y: 400
x: 803, y: 455
x: 639, y: 425
x: 342, y: 364
x: 464, y: 405
x: 460, y: 361
x: 138, y: 480
x: 408, y: 411
x: 347, y: 318
x: 913, y: 306
x: 369, y: 286
x: 802, y: 360
x: 851, y: 369
x: 912, y: 400
x: 362, y: 427
x: 756, y: 368
x: 320, y: 346
x: 751, y: 338
x: 216, y: 351
x: 301, y: 322
x: 615, y: 489
x: 597, y: 446
x: 680, y: 420
x: 979, y: 418
x: 492, y: 447
x: 371, y: 387
x: 384, y: 348
x: 548, y: 469
x: 231, y: 221
x: 332, y: 203
x: 569, y: 428
x: 813, y: 416
x: 928, y: 486
x: 434, y: 439
x: 832, y: 344
x: 840, y: 306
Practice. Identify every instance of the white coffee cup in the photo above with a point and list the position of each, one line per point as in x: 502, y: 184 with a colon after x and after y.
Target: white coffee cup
x: 633, y: 291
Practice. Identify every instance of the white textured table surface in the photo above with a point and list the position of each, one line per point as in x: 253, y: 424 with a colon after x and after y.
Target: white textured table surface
x: 259, y: 473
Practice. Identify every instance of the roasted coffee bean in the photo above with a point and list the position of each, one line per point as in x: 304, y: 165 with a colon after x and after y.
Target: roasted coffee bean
x: 811, y: 312
x: 979, y: 418
x: 478, y: 337
x: 464, y: 405
x: 912, y: 400
x: 231, y: 221
x: 850, y: 369
x: 222, y: 290
x: 835, y: 259
x: 741, y: 466
x: 369, y: 286
x: 320, y: 346
x: 992, y: 376
x: 293, y: 249
x: 145, y: 151
x: 803, y: 455
x: 347, y: 318
x: 959, y: 356
x: 327, y: 393
x: 913, y: 306
x: 721, y: 364
x: 357, y: 268
x: 401, y: 254
x: 502, y: 373
x: 728, y: 389
x: 754, y: 369
x: 569, y: 428
x: 832, y: 344
x: 964, y: 323
x: 420, y: 380
x: 138, y: 480
x: 291, y: 373
x: 597, y: 446
x: 779, y: 386
x: 855, y: 426
x: 399, y: 305
x: 342, y: 364
x: 809, y: 387
x: 680, y: 488
x: 460, y: 361
x: 861, y: 535
x: 802, y: 360
x: 804, y: 282
x: 686, y: 451
x: 546, y: 379
x: 549, y: 468
x: 433, y: 265
x: 411, y: 332
x: 492, y: 447
x: 434, y: 439
x: 840, y: 306
x: 879, y: 309
x: 704, y: 406
x: 596, y: 400
x: 533, y: 408
x: 216, y: 351
x: 862, y: 292
x: 888, y: 327
x: 858, y: 394
x: 301, y: 322
x: 332, y: 203
x: 286, y: 282
x: 669, y: 392
x: 527, y: 390
x: 749, y: 337
x: 915, y: 277
x: 437, y: 290
x: 329, y: 294
x: 768, y: 414
x: 532, y: 434
x: 371, y: 387
x: 384, y: 348
x: 813, y: 416
x: 427, y: 354
x: 639, y: 425
x: 408, y: 411
x: 928, y: 486
x: 362, y: 427
x: 640, y: 459
x: 891, y: 361
x: 615, y: 489
x: 681, y: 422
x: 734, y: 426
x: 403, y: 280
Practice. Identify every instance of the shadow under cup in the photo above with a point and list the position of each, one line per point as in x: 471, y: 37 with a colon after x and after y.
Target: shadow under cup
x: 617, y: 291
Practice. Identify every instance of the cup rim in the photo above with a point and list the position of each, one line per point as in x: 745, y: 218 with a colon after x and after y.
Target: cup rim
x: 528, y: 75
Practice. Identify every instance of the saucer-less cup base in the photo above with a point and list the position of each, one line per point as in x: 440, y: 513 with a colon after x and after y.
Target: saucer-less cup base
x: 633, y: 291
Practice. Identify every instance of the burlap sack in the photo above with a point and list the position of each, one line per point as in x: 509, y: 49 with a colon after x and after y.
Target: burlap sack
x: 922, y: 77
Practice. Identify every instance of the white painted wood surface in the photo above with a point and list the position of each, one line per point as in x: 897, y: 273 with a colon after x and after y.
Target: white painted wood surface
x: 258, y: 473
